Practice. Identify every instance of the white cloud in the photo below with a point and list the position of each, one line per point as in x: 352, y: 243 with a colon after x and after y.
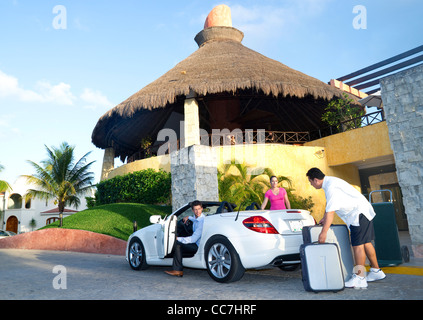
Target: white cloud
x: 45, y: 92
x: 263, y: 22
x: 60, y: 93
x: 95, y: 99
x: 78, y: 25
x: 6, y: 127
x: 259, y: 20
x: 9, y: 86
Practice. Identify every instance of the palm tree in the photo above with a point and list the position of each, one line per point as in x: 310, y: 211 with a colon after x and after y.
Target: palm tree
x: 4, y: 186
x: 60, y: 178
x: 242, y: 184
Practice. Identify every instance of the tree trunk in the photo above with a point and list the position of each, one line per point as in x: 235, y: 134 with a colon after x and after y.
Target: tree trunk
x: 61, y: 209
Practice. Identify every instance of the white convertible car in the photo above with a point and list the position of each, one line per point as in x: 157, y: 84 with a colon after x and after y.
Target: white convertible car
x: 232, y: 241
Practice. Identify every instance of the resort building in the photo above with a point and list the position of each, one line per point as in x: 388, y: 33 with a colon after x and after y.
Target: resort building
x: 227, y: 102
x: 21, y: 215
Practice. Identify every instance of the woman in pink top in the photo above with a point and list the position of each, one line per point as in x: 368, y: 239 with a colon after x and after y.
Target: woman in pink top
x: 278, y: 196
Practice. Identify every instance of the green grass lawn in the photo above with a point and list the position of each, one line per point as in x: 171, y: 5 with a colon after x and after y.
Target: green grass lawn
x: 115, y: 220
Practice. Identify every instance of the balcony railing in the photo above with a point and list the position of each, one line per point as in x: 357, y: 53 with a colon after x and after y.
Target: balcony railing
x: 359, y: 122
x: 239, y: 137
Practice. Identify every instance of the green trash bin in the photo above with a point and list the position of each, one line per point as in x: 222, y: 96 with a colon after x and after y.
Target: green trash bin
x: 387, y: 244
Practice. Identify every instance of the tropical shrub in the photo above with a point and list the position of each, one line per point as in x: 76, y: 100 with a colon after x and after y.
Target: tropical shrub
x: 145, y: 186
x: 242, y: 185
x: 340, y: 111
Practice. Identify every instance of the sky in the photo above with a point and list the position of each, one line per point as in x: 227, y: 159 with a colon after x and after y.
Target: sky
x: 63, y: 64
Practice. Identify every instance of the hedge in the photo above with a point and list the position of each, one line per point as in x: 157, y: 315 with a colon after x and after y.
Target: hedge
x: 145, y: 186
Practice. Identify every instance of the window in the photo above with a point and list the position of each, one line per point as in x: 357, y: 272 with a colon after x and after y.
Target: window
x: 51, y: 220
x: 15, y: 201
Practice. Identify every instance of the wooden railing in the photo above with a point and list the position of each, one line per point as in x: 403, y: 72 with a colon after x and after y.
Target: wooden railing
x: 239, y: 137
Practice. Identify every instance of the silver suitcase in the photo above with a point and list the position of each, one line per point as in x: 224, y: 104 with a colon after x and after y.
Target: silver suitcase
x: 339, y: 234
x: 321, y: 267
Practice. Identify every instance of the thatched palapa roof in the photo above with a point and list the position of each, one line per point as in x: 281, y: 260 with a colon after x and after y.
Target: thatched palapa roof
x: 221, y: 64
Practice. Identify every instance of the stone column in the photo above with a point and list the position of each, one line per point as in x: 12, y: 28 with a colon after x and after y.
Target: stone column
x: 191, y: 133
x: 402, y: 95
x: 194, y: 175
x: 108, y: 163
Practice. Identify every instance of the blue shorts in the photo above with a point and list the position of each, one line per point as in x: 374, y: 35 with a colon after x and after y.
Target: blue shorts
x: 363, y: 233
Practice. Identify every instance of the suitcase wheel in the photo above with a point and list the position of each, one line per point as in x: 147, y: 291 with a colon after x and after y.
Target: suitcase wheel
x: 405, y: 254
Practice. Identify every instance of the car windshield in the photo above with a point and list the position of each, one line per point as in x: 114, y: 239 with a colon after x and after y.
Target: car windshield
x: 207, y: 211
x: 210, y: 210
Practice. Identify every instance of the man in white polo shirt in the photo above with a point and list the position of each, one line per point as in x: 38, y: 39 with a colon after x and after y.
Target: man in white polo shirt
x: 357, y: 213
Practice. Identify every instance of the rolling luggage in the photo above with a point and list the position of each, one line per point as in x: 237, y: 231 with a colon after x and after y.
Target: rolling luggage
x: 387, y: 244
x: 339, y: 234
x: 321, y: 267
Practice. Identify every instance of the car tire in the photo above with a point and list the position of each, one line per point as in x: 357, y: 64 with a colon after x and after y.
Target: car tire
x: 136, y: 255
x: 222, y: 260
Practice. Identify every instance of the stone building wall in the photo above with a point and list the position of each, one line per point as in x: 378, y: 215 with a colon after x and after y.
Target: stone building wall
x: 402, y: 95
x: 108, y: 163
x: 194, y: 175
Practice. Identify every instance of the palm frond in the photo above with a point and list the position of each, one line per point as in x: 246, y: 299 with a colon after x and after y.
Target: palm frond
x: 4, y: 186
x: 246, y: 184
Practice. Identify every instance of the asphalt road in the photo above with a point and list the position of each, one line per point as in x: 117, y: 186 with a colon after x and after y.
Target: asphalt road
x: 45, y: 275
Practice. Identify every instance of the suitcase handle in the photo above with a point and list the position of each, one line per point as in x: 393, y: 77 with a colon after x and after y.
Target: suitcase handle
x: 370, y: 194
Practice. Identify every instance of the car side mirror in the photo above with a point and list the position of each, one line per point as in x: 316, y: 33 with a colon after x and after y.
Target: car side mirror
x: 155, y: 219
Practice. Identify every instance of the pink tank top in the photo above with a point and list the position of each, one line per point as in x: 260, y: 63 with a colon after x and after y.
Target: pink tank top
x: 276, y: 202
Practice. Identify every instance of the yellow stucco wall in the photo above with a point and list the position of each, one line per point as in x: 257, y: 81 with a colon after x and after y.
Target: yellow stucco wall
x: 356, y: 145
x: 335, y: 155
x: 344, y: 150
x: 156, y: 163
x: 292, y: 162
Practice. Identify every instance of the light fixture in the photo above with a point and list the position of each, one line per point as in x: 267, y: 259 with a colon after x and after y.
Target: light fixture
x: 320, y: 154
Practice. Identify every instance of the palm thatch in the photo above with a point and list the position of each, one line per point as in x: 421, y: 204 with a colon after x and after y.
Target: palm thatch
x: 221, y: 64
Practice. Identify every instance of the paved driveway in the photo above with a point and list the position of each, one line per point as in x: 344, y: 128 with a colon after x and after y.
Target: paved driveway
x: 35, y: 274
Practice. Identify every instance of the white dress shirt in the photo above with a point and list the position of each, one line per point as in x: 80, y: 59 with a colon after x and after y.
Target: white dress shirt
x: 346, y: 201
x: 197, y: 228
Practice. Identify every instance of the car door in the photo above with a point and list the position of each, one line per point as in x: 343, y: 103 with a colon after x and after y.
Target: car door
x: 159, y: 242
x: 169, y: 234
x: 170, y: 227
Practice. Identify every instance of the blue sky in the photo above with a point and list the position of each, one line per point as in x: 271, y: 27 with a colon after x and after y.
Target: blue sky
x: 56, y: 83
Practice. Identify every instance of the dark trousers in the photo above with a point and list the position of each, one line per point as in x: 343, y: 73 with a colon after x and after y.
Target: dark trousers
x: 181, y: 250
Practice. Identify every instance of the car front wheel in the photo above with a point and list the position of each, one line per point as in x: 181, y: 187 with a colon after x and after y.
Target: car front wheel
x: 136, y: 255
x: 223, y: 262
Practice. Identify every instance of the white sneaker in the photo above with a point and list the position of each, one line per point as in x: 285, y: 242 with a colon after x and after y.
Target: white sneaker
x: 356, y: 282
x: 374, y: 275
